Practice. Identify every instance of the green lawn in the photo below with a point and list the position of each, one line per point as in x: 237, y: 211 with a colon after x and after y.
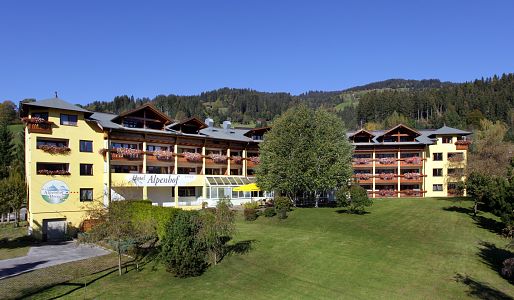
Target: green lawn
x: 14, y: 241
x: 402, y: 249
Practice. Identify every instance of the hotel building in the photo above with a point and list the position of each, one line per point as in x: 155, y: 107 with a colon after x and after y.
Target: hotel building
x: 77, y: 160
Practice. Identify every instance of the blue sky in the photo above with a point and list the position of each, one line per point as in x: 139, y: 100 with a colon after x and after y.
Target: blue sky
x: 95, y: 50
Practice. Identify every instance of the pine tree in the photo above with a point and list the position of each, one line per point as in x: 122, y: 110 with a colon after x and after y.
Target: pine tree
x: 6, y: 149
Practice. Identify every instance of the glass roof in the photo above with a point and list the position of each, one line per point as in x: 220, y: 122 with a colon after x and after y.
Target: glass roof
x: 229, y: 180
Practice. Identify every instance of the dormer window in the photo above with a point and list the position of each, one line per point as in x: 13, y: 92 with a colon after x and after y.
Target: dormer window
x: 447, y: 139
x: 130, y: 123
x: 146, y: 116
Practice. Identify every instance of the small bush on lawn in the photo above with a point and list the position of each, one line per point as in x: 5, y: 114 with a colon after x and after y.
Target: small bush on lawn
x: 250, y: 214
x: 355, y: 199
x: 282, y: 206
x: 183, y: 252
x: 269, y: 212
x: 252, y: 204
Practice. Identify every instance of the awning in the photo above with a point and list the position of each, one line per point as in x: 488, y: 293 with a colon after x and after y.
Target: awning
x: 228, y: 181
x: 252, y: 187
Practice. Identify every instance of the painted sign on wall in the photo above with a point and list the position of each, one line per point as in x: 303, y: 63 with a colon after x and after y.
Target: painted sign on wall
x: 55, y: 192
x: 160, y: 179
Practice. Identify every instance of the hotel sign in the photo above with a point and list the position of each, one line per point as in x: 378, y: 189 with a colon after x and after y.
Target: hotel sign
x: 160, y: 179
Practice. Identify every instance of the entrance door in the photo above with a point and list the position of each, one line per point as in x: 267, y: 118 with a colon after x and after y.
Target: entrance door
x: 55, y: 229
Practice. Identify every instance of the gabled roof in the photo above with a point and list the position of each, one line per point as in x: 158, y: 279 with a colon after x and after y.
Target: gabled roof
x: 166, y: 120
x: 401, y: 126
x: 363, y: 131
x: 56, y: 103
x: 191, y: 121
x: 261, y: 130
x: 445, y: 130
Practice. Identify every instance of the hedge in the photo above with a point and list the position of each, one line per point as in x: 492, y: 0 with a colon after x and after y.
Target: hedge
x: 143, y: 210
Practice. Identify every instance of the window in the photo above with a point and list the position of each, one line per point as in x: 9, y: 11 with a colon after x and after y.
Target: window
x: 124, y: 169
x: 210, y: 151
x: 437, y: 172
x: 437, y: 187
x: 52, y: 169
x: 42, y: 115
x: 131, y: 123
x: 86, y: 195
x: 48, y: 142
x: 156, y: 170
x: 186, y: 170
x: 187, y: 191
x: 124, y: 145
x: 156, y: 148
x: 86, y: 146
x: 69, y: 120
x: 211, y: 171
x: 447, y: 139
x: 86, y: 169
x: 438, y: 156
x: 456, y: 172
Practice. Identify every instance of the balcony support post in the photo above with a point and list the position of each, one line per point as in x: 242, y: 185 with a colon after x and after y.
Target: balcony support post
x: 145, y: 188
x: 175, y: 167
x: 398, y: 172
x: 373, y: 172
x: 228, y: 162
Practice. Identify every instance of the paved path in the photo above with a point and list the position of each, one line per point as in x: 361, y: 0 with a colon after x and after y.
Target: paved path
x: 47, y: 255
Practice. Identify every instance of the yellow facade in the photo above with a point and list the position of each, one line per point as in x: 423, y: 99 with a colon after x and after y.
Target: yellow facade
x: 71, y: 209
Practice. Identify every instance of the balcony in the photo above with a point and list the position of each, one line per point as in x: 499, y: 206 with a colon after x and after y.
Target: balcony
x: 253, y: 161
x: 190, y: 157
x: 411, y: 178
x: 363, y: 178
x: 362, y: 163
x: 386, y: 162
x: 160, y: 156
x: 410, y: 162
x: 40, y: 127
x: 462, y: 144
x: 126, y: 154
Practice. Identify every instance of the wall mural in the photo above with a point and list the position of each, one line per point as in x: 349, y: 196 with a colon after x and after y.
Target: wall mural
x: 55, y: 192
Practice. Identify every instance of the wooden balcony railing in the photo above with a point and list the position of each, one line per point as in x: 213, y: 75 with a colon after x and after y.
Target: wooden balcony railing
x: 43, y: 127
x: 462, y: 144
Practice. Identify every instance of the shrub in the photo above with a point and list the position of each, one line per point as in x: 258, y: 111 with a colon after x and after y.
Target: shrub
x: 143, y: 211
x: 250, y: 214
x: 508, y: 268
x: 183, y: 252
x: 218, y: 226
x: 252, y: 204
x: 282, y: 203
x: 355, y: 199
x: 269, y: 212
x: 282, y: 213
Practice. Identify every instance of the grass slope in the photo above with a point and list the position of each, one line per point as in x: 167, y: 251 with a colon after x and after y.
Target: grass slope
x: 402, y: 249
x: 14, y: 241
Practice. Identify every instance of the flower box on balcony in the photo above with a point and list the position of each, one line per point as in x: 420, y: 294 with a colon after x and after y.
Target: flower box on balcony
x: 218, y: 158
x: 412, y: 176
x: 411, y: 193
x: 415, y: 160
x: 387, y: 193
x: 38, y: 125
x: 363, y: 176
x: 163, y: 154
x: 129, y: 153
x: 55, y: 149
x: 254, y: 159
x: 237, y: 160
x: 386, y: 176
x: 53, y: 172
x: 462, y: 144
x: 361, y: 161
x: 456, y: 158
x: 386, y: 160
x: 192, y: 157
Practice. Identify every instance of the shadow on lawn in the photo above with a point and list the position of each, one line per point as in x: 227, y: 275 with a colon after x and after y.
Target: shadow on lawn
x: 479, y: 289
x: 22, y: 241
x: 241, y: 247
x: 493, y: 256
x: 347, y: 211
x: 489, y: 224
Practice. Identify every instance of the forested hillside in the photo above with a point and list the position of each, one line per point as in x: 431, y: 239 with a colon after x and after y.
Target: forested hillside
x: 246, y: 106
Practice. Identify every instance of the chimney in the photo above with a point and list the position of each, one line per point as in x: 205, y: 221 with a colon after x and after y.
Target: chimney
x: 209, y: 122
x: 227, y: 125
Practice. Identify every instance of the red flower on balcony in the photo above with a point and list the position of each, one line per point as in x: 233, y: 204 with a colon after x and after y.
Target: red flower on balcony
x: 254, y: 159
x: 237, y: 159
x: 456, y: 158
x: 128, y: 152
x: 163, y: 154
x: 386, y: 176
x: 33, y: 120
x: 52, y: 149
x: 411, y: 192
x: 363, y: 176
x: 386, y: 193
x: 53, y: 172
x: 362, y: 161
x: 463, y: 142
x: 412, y: 175
x: 192, y: 157
x: 415, y: 160
x: 218, y: 158
x: 386, y: 160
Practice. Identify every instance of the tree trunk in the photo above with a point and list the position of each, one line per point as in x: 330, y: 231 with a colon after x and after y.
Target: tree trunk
x: 475, y: 209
